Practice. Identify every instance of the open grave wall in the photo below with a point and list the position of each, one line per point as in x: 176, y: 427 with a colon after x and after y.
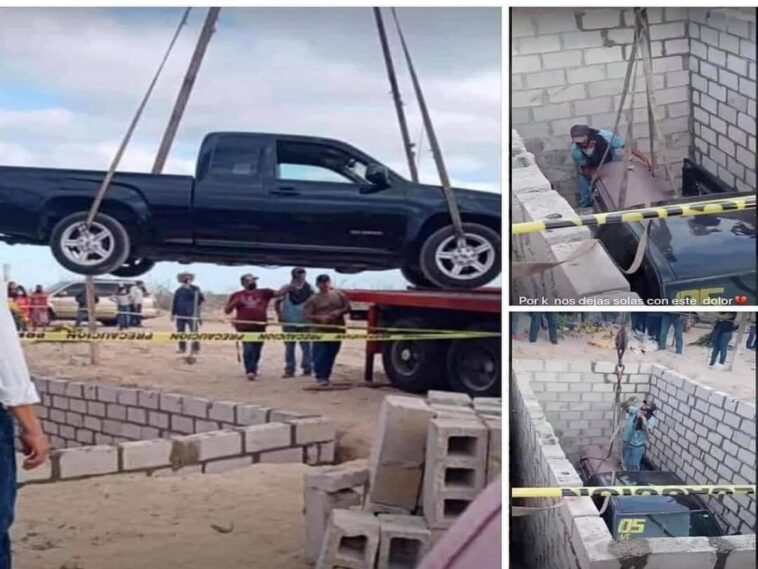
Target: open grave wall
x: 161, y: 433
x: 574, y: 535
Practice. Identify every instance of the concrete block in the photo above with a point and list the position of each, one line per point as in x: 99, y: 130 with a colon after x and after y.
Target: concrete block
x: 311, y: 455
x: 351, y: 541
x: 287, y: 455
x: 222, y: 411
x: 667, y: 31
x: 203, y: 426
x: 561, y: 59
x: 182, y: 424
x: 525, y: 64
x: 158, y: 419
x: 149, y: 399
x: 182, y: 471
x: 270, y: 436
x: 595, y: 19
x: 494, y: 449
x: 319, y: 505
x: 192, y: 449
x: 448, y: 398
x: 77, y: 406
x: 403, y: 542
x: 96, y: 409
x: 108, y: 394
x: 398, y: 451
x: 251, y: 414
x: 61, y: 402
x: 384, y: 509
x: 575, y: 40
x: 87, y: 461
x: 136, y: 415
x: 327, y: 452
x: 196, y: 407
x: 126, y: 396
x: 337, y: 478
x: 85, y: 436
x: 597, y: 55
x: 116, y: 412
x: 227, y: 464
x: 42, y: 473
x: 171, y: 402
x: 139, y: 455
x: 528, y: 46
x: 312, y: 430
x: 149, y: 433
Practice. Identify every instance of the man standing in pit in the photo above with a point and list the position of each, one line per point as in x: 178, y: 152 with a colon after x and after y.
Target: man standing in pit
x: 185, y: 309
x: 635, y: 432
x: 327, y: 307
x: 251, y: 306
x: 588, y: 147
x: 17, y: 399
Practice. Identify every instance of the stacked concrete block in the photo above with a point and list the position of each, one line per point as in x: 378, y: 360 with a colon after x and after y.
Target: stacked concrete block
x: 448, y: 398
x: 455, y: 469
x: 329, y: 489
x: 403, y: 542
x: 494, y: 447
x: 398, y: 452
x: 351, y: 541
x: 163, y: 433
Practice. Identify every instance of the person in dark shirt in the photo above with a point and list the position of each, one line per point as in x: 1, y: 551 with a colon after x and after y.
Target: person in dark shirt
x: 81, y: 303
x: 328, y: 306
x: 721, y: 336
x: 185, y: 309
x: 251, y: 306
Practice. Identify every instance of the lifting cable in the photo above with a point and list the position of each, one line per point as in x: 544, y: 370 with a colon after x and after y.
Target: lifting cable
x: 119, y: 153
x: 452, y: 205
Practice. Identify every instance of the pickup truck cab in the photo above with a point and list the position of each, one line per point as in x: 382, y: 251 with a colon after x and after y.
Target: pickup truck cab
x: 263, y: 199
x: 698, y: 258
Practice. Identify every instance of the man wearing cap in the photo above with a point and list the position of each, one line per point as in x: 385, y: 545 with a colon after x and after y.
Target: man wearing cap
x: 17, y: 399
x: 290, y: 309
x: 588, y: 148
x: 328, y: 307
x: 185, y: 309
x: 636, y: 431
x: 251, y: 306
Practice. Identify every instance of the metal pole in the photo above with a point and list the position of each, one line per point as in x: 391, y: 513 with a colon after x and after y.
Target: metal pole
x: 185, y: 90
x: 407, y: 144
x: 452, y: 205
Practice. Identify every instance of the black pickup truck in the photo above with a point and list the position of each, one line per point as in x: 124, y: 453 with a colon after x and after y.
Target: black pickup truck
x: 698, y: 258
x: 257, y: 199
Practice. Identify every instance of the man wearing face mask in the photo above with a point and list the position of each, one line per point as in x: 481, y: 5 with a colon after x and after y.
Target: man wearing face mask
x: 636, y: 431
x: 588, y: 147
x: 251, y: 305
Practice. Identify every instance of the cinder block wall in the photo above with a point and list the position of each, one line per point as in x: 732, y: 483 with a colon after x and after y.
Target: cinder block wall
x: 705, y: 435
x: 568, y: 67
x: 76, y: 414
x: 723, y: 66
x: 575, y: 536
x: 591, y: 275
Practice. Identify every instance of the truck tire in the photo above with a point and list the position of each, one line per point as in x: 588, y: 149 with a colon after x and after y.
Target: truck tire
x: 474, y: 264
x: 473, y: 365
x: 99, y: 250
x: 133, y: 268
x: 416, y: 277
x: 413, y: 366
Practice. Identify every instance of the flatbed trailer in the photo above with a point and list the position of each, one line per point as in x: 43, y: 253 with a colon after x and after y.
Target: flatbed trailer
x: 470, y: 365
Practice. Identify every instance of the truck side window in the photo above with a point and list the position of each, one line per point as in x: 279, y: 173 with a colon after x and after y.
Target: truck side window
x: 235, y: 156
x: 310, y: 162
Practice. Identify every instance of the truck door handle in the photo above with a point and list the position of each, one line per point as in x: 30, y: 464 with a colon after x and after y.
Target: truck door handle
x: 284, y: 192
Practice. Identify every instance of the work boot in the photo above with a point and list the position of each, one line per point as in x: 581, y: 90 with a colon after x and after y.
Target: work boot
x: 251, y: 377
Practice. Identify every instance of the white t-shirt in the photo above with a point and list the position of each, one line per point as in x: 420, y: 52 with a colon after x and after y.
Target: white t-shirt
x: 16, y: 387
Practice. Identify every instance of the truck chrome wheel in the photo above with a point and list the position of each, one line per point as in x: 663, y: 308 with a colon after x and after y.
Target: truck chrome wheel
x: 469, y: 257
x: 87, y: 247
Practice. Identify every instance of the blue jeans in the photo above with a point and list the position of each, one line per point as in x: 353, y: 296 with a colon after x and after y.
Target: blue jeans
x: 187, y: 324
x: 638, y: 321
x: 633, y: 457
x: 750, y: 344
x: 720, y: 347
x: 123, y: 319
x: 584, y: 191
x: 251, y: 355
x: 666, y: 321
x: 7, y: 486
x: 136, y: 316
x: 536, y: 323
x: 324, y: 354
x: 81, y: 316
x: 290, y: 362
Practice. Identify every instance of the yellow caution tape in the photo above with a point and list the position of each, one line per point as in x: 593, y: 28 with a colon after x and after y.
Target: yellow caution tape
x: 630, y: 216
x: 591, y: 491
x: 166, y: 337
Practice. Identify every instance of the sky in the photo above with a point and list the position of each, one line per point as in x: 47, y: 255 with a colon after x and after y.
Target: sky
x: 71, y: 80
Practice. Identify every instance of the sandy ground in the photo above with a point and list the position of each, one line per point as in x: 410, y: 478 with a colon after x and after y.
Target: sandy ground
x: 129, y: 521
x: 740, y: 382
x: 218, y: 375
x: 153, y: 523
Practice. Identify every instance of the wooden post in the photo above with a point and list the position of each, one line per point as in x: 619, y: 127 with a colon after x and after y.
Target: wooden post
x: 91, y: 318
x: 742, y: 323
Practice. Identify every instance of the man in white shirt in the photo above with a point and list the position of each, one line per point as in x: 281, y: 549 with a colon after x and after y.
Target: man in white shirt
x: 17, y: 399
x: 136, y: 294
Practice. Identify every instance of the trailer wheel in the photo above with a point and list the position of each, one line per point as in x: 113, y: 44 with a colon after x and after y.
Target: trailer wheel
x: 133, y: 268
x: 473, y: 365
x: 94, y: 251
x: 413, y: 366
x: 470, y: 262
